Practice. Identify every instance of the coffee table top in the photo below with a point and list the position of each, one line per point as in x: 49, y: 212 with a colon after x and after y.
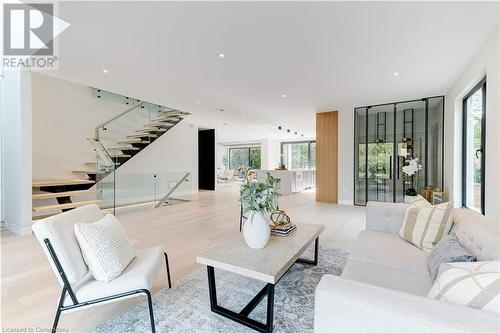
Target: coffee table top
x: 267, y: 264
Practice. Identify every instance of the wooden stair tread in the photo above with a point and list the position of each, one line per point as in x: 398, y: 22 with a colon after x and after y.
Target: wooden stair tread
x: 94, y: 164
x: 113, y: 155
x: 166, y: 118
x: 66, y: 205
x: 152, y: 130
x: 123, y: 148
x: 39, y: 196
x: 89, y: 171
x: 133, y: 141
x: 60, y: 182
x: 142, y: 135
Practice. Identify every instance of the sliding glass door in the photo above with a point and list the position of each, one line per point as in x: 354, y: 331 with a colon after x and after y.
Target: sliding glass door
x: 474, y: 124
x: 386, y: 136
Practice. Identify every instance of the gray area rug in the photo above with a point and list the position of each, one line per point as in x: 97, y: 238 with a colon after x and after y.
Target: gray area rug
x: 186, y: 307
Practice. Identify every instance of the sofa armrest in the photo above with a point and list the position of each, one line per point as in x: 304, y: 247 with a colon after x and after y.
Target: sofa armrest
x: 345, y: 305
x: 385, y: 216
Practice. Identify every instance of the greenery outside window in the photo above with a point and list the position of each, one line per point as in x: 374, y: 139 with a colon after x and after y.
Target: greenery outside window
x: 244, y: 156
x: 298, y: 155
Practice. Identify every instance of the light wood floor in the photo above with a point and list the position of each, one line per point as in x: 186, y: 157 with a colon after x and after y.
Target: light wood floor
x: 30, y: 290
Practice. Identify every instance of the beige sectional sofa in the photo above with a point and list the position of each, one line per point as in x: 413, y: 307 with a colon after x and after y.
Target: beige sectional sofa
x: 386, y: 280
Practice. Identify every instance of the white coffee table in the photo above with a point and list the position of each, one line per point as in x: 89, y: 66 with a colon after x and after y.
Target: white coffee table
x: 268, y: 265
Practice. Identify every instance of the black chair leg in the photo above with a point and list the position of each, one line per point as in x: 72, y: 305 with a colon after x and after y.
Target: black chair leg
x: 58, y: 312
x: 241, y: 216
x: 151, y: 315
x: 168, y: 270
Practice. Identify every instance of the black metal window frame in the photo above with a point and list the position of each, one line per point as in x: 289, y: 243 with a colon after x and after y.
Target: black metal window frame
x: 309, y: 142
x: 480, y: 86
x: 367, y: 108
x: 248, y: 148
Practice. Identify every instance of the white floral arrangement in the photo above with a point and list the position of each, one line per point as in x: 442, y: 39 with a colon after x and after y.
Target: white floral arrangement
x: 413, y: 167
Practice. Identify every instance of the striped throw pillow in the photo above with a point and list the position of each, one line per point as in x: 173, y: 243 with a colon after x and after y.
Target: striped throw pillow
x: 473, y: 284
x: 424, y: 225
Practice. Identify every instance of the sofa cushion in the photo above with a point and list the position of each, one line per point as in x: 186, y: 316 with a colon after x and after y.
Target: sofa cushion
x: 141, y: 273
x: 390, y: 251
x: 473, y: 284
x: 447, y: 250
x: 478, y: 234
x: 426, y: 226
x: 386, y: 277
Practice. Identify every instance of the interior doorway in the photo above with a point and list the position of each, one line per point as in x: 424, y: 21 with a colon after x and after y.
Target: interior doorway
x: 206, y: 159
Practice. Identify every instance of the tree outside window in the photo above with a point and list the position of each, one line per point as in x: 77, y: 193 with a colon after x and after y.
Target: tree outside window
x: 299, y: 155
x: 244, y: 156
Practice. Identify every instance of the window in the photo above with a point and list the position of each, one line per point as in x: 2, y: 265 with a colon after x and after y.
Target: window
x: 473, y: 147
x: 298, y: 155
x: 244, y: 156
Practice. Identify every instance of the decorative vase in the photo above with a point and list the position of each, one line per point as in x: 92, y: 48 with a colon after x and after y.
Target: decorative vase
x: 256, y: 230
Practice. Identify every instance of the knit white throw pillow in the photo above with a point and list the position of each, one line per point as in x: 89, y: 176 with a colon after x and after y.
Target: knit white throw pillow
x: 105, y: 247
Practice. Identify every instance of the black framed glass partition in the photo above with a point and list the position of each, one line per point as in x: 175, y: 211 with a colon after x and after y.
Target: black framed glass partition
x: 386, y: 136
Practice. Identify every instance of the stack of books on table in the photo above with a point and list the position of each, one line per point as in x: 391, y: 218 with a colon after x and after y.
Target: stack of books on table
x: 283, y: 230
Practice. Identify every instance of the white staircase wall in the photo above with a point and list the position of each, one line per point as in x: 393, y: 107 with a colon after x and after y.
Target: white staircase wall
x: 65, y: 114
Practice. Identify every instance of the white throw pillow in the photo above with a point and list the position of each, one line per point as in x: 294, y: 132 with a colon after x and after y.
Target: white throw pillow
x: 105, y: 247
x: 473, y: 284
x: 424, y: 225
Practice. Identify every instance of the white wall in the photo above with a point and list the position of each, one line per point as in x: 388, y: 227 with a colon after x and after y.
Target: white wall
x: 270, y: 154
x: 485, y: 63
x: 65, y: 114
x: 16, y: 150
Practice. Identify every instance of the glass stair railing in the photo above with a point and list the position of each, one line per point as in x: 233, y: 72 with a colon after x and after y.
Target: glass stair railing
x: 120, y: 139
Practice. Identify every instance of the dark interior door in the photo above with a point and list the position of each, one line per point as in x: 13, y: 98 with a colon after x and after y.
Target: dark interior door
x: 206, y: 159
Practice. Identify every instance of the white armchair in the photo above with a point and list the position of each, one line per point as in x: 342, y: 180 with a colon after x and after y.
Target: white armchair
x: 79, y: 288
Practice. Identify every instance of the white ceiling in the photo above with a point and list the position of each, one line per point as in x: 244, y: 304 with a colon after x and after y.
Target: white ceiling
x: 323, y: 56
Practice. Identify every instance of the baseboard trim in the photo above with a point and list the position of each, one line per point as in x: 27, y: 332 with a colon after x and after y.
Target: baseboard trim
x: 17, y: 229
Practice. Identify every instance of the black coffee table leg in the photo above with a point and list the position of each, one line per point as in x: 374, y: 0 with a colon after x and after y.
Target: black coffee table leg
x: 242, y: 316
x: 315, y: 260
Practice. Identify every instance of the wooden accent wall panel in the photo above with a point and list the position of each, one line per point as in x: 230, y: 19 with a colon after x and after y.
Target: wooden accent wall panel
x: 327, y: 156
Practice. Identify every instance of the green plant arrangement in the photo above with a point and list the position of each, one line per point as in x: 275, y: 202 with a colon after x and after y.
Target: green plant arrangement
x: 259, y: 195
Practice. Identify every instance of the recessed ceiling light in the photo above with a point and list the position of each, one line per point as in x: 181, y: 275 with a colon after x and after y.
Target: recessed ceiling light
x: 105, y: 71
x: 197, y: 102
x: 221, y: 110
x: 221, y: 55
x: 284, y: 95
x: 396, y: 74
x: 225, y: 124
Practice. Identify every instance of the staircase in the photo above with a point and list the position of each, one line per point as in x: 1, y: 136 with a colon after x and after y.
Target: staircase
x: 116, y: 141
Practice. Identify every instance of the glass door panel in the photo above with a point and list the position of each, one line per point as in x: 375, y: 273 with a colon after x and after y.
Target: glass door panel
x: 410, y: 140
x: 380, y: 151
x: 473, y: 148
x: 360, y: 156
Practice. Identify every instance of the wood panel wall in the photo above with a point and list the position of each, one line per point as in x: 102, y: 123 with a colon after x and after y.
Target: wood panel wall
x: 327, y: 156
